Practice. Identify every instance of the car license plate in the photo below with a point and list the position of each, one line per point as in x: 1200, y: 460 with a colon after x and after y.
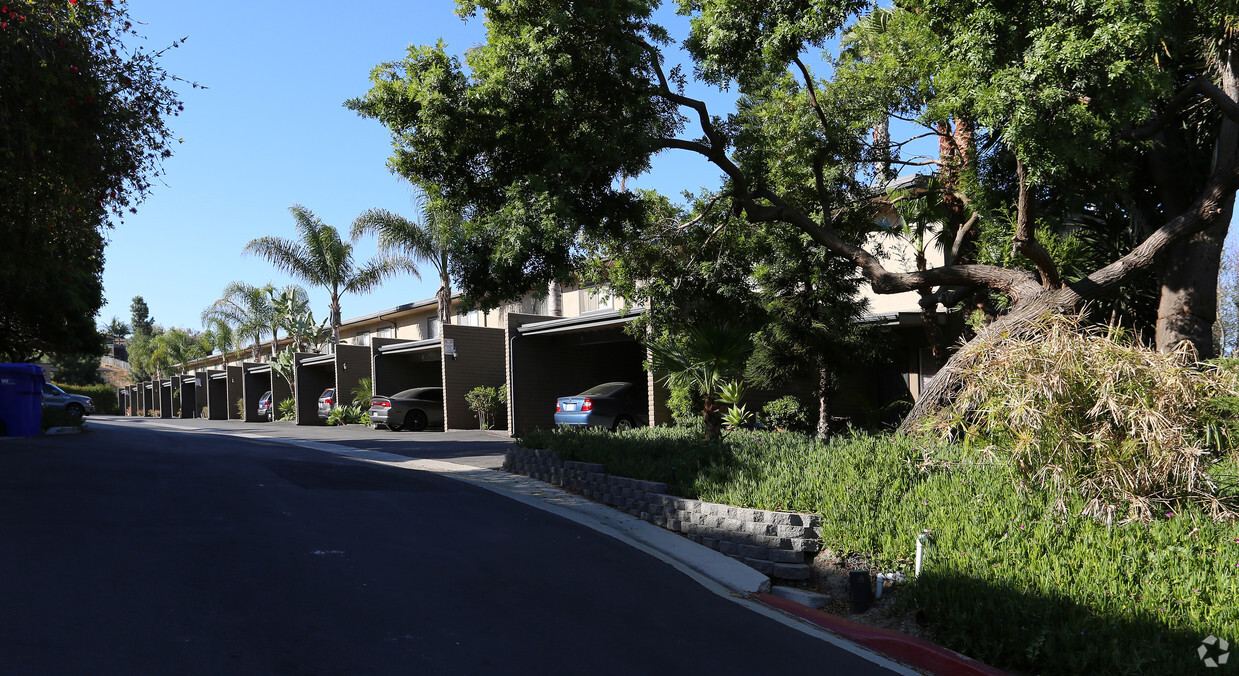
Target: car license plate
x: 569, y: 407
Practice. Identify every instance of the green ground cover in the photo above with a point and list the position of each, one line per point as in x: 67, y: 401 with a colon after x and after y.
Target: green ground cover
x: 1014, y: 577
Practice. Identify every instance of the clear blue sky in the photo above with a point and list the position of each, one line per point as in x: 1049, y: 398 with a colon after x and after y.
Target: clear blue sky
x: 270, y: 131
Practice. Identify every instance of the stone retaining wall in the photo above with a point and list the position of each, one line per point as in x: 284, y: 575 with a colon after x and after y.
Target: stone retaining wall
x: 778, y: 544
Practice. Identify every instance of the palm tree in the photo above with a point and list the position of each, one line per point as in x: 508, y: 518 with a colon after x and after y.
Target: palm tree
x: 708, y: 357
x: 321, y: 258
x: 246, y: 309
x: 426, y: 241
x: 219, y: 334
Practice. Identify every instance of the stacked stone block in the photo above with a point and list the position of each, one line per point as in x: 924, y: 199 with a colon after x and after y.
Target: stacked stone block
x: 778, y: 544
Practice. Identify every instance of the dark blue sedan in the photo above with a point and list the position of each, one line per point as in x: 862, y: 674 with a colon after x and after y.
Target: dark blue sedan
x: 616, y: 406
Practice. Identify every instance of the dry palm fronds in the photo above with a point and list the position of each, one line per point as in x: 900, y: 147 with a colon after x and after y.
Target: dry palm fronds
x: 1090, y: 410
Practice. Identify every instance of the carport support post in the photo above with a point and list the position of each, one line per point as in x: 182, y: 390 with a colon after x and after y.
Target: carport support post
x: 148, y: 397
x: 253, y: 386
x: 235, y: 391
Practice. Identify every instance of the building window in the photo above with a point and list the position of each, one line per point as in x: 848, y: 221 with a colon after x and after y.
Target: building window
x: 432, y: 327
x: 469, y: 318
x: 362, y: 338
x: 539, y: 306
x: 595, y: 298
x: 385, y: 332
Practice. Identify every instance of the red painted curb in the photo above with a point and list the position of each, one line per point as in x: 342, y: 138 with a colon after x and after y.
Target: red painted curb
x: 907, y: 649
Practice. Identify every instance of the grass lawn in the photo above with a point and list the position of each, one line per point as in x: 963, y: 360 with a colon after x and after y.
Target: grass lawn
x: 1013, y: 578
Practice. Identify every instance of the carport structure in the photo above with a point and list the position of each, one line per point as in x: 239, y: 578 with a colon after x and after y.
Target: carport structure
x: 186, y: 384
x: 462, y: 358
x: 148, y: 397
x: 256, y: 380
x: 548, y: 358
x: 342, y: 370
x: 216, y: 399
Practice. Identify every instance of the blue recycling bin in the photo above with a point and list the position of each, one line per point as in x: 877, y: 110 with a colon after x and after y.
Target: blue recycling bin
x: 21, y: 399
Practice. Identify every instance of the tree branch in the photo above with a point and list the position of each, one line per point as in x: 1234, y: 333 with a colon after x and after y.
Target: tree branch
x: 1026, y: 236
x: 808, y: 82
x: 1199, y: 85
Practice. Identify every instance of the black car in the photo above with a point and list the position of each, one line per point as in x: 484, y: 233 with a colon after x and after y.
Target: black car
x: 414, y: 409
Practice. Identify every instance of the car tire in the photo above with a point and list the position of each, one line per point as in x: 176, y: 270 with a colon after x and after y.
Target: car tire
x: 415, y: 420
x: 623, y: 424
x: 75, y: 409
x: 395, y: 427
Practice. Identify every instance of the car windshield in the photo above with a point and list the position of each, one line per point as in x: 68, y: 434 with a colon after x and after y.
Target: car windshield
x: 49, y: 388
x: 603, y: 390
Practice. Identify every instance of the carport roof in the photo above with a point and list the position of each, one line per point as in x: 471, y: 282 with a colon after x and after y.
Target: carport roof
x: 412, y: 346
x: 263, y: 368
x: 585, y: 322
x: 320, y: 359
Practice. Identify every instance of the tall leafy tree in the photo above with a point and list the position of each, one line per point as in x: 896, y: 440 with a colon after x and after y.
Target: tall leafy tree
x: 1040, y: 112
x: 321, y: 258
x: 140, y: 317
x: 176, y: 348
x: 84, y: 119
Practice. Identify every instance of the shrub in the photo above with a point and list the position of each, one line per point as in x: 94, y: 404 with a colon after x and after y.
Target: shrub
x: 1093, y: 410
x: 348, y: 415
x: 104, y: 396
x: 784, y: 413
x: 1009, y: 578
x: 240, y: 410
x: 363, y: 393
x: 288, y: 409
x: 486, y: 402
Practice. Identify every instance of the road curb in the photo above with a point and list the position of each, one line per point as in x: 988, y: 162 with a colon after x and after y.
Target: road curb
x: 910, y: 650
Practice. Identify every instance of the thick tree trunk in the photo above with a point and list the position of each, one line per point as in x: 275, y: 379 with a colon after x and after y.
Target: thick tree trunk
x: 823, y: 399
x: 555, y: 298
x: 943, y: 386
x: 1187, y: 308
x: 1188, y: 304
x: 335, y: 322
x: 444, y: 296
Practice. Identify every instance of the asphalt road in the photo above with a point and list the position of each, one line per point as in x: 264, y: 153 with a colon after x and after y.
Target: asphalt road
x: 149, y: 551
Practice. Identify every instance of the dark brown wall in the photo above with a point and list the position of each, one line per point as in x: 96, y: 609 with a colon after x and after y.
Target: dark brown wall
x: 352, y: 364
x: 479, y: 362
x: 236, y: 385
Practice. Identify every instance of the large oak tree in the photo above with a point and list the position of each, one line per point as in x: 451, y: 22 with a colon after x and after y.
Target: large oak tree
x: 1115, y: 117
